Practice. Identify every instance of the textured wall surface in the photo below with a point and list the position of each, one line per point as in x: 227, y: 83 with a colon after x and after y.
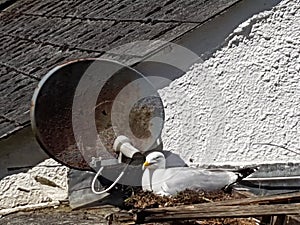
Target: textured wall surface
x: 21, y: 186
x: 247, y: 92
x: 44, y: 183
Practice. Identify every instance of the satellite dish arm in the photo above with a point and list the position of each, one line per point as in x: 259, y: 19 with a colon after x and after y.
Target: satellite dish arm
x: 122, y: 145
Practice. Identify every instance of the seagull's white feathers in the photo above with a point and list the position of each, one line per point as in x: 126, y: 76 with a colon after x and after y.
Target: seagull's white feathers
x: 169, y: 181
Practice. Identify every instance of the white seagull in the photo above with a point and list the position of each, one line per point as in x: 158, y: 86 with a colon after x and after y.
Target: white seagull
x: 169, y: 181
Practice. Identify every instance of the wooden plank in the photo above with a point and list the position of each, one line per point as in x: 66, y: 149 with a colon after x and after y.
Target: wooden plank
x: 255, y: 206
x: 4, y: 212
x: 292, y: 220
x: 163, y: 214
x: 281, y: 198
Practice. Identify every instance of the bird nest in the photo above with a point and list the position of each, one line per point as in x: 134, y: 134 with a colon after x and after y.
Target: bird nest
x: 147, y: 199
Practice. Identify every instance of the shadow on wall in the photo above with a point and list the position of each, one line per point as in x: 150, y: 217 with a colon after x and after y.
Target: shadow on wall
x: 206, y: 38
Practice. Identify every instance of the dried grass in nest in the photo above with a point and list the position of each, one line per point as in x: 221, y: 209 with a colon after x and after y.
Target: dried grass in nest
x: 147, y: 199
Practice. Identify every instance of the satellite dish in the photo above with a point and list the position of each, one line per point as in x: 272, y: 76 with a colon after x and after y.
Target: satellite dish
x: 79, y: 108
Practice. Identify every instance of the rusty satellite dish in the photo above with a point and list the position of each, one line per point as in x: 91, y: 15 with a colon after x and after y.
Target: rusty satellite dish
x: 80, y: 107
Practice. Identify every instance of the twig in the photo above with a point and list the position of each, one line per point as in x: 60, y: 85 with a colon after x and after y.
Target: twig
x: 4, y: 212
x: 279, y: 146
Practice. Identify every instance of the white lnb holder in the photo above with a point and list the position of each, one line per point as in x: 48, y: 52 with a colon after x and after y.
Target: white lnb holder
x: 123, y: 145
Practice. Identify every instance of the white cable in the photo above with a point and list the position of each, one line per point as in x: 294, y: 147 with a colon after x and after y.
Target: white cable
x: 111, y: 186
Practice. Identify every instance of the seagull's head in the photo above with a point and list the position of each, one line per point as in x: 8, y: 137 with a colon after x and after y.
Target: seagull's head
x: 155, y: 160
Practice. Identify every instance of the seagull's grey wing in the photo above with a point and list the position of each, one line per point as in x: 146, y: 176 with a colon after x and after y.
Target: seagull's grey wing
x: 173, y: 180
x: 173, y: 160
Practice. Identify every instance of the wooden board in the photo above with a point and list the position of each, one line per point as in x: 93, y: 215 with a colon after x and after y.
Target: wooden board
x: 159, y: 215
x: 277, y: 205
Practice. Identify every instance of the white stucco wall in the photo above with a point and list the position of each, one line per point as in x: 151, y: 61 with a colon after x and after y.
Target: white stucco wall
x: 247, y: 92
x: 46, y: 182
x: 20, y: 185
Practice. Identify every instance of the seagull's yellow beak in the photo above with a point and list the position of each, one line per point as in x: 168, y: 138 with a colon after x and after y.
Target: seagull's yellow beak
x: 146, y: 164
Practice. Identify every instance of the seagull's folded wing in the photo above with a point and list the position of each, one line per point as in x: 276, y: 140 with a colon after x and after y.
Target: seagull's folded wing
x: 173, y: 180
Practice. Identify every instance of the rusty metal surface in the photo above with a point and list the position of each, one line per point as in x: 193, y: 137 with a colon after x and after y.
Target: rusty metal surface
x: 52, y: 121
